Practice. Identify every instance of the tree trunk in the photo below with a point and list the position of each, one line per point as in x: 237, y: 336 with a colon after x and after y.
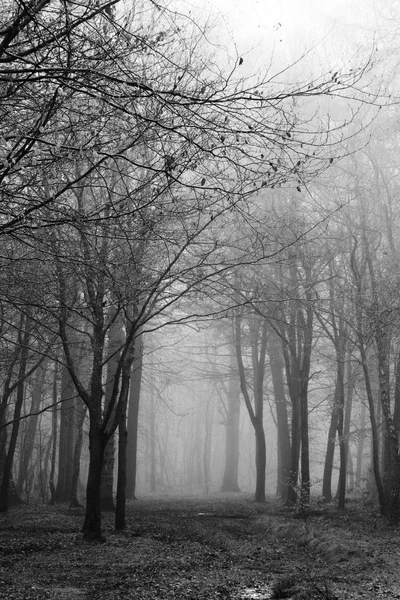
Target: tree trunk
x: 341, y: 494
x: 231, y: 469
x: 6, y: 489
x: 297, y: 334
x: 29, y: 435
x: 54, y: 434
x: 115, y: 342
x: 330, y: 451
x: 208, y: 425
x: 261, y: 462
x: 344, y: 433
x: 374, y: 427
x: 295, y: 451
x: 133, y: 417
x: 336, y: 424
x: 152, y: 441
x: 305, y: 449
x: 391, y: 478
x: 44, y: 461
x: 107, y: 477
x: 284, y: 449
x: 66, y: 438
x: 8, y: 388
x: 120, y: 504
x: 91, y: 529
x: 350, y: 471
x: 80, y: 418
x: 163, y: 446
x: 396, y: 409
x: 258, y: 343
x: 360, y: 448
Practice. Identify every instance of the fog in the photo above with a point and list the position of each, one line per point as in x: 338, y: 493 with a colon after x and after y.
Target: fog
x: 200, y: 252
x: 186, y: 383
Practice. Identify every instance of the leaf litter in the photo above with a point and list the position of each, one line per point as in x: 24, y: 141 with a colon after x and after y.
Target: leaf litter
x: 215, y: 548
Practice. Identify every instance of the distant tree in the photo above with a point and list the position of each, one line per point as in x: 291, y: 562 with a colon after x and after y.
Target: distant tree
x: 69, y: 403
x: 231, y: 414
x: 253, y: 329
x: 25, y: 478
x: 276, y: 365
x: 335, y: 324
x: 295, y: 326
x: 133, y: 417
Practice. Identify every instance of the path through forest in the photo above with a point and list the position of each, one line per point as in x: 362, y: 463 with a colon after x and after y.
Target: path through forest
x: 219, y: 548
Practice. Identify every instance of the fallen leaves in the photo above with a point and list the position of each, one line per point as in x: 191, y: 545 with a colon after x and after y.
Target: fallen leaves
x: 224, y: 547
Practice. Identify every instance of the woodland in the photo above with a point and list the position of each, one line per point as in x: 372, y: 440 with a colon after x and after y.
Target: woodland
x: 199, y: 309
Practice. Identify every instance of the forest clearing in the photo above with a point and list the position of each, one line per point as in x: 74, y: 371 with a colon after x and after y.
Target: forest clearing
x: 216, y: 548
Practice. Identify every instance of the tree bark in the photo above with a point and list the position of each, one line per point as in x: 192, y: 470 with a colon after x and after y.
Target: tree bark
x: 115, y: 343
x: 231, y: 468
x: 284, y: 447
x: 261, y: 463
x: 54, y: 434
x: 28, y: 443
x: 8, y: 463
x: 66, y: 438
x: 344, y: 433
x: 80, y: 417
x: 372, y: 416
x: 133, y: 417
x: 120, y: 502
x: 305, y: 447
x: 330, y: 449
x: 152, y: 442
x: 258, y: 344
x: 92, y: 525
x: 295, y: 451
x: 208, y: 427
x: 341, y: 495
x: 120, y: 506
x: 360, y: 448
x: 336, y: 424
x: 296, y: 332
x: 391, y: 476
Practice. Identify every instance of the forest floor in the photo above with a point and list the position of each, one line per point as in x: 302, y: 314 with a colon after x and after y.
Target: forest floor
x: 215, y: 548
